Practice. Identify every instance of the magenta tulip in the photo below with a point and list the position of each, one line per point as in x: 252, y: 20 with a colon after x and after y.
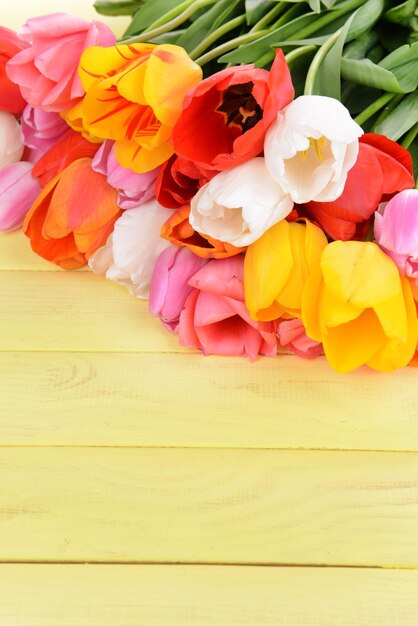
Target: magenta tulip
x: 169, y: 284
x: 396, y: 231
x: 215, y: 319
x: 133, y: 189
x: 18, y: 190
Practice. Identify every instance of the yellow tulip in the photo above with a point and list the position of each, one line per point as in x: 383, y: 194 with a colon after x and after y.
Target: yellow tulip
x: 134, y: 95
x: 276, y: 267
x: 360, y: 308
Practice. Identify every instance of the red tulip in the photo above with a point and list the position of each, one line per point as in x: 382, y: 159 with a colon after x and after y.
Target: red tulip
x: 383, y: 168
x: 178, y: 181
x: 11, y: 99
x: 225, y: 117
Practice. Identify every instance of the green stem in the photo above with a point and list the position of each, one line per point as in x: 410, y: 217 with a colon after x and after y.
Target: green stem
x: 271, y: 15
x: 373, y: 108
x: 327, y: 18
x: 229, y: 45
x: 392, y: 104
x: 170, y: 15
x: 217, y: 34
x: 410, y: 136
x: 317, y: 60
x: 298, y: 52
x: 171, y: 25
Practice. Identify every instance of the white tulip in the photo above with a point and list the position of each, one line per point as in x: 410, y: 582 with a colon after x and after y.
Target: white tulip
x: 311, y: 147
x: 132, y: 249
x: 238, y: 205
x: 11, y: 139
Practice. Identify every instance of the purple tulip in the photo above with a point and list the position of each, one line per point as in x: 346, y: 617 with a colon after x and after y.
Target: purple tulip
x: 18, y: 190
x: 134, y: 189
x: 41, y: 129
x: 169, y: 284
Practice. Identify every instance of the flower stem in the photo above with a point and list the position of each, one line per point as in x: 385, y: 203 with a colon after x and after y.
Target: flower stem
x: 317, y: 60
x: 298, y: 52
x: 271, y: 15
x: 373, y: 108
x: 229, y: 45
x: 170, y: 25
x: 217, y: 34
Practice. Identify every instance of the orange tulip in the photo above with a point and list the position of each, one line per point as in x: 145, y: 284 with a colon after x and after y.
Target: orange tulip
x: 178, y: 230
x: 134, y: 95
x: 72, y: 216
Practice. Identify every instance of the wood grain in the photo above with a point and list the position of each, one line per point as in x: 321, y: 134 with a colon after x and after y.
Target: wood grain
x: 127, y: 399
x: 47, y: 595
x: 208, y: 506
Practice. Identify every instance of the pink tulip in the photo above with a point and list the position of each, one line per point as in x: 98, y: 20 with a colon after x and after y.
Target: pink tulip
x: 169, y: 284
x: 396, y: 231
x: 18, y: 191
x: 215, y: 318
x: 41, y: 129
x: 47, y: 71
x: 134, y: 189
x: 11, y: 140
x: 292, y: 335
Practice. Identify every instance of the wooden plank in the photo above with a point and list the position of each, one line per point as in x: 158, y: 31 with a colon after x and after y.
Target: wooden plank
x: 16, y: 254
x: 77, y: 595
x: 126, y: 399
x: 75, y: 310
x: 208, y: 506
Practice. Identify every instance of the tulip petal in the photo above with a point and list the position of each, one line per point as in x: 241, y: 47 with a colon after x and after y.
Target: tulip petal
x: 268, y: 264
x: 353, y: 271
x: 349, y: 346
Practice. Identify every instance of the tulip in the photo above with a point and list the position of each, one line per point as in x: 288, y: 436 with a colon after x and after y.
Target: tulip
x: 135, y: 96
x: 47, y: 70
x: 178, y: 181
x: 133, y: 189
x: 215, y: 319
x: 225, y: 117
x: 18, y: 190
x: 10, y: 97
x: 169, y: 284
x: 311, y: 147
x: 360, y: 308
x: 382, y: 169
x: 396, y: 232
x: 178, y: 230
x: 132, y: 249
x: 72, y: 216
x: 41, y: 129
x: 69, y: 148
x: 292, y: 335
x: 11, y: 140
x: 237, y: 206
x: 276, y: 267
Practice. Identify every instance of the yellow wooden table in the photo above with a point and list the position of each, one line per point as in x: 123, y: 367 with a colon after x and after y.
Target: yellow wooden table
x: 146, y: 485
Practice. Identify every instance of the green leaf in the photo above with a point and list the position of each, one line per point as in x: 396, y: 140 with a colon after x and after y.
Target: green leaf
x: 257, y: 48
x: 151, y: 11
x: 403, y: 14
x: 401, y: 119
x: 256, y: 9
x: 364, y: 18
x: 403, y: 63
x: 359, y: 48
x: 171, y: 37
x: 324, y: 75
x: 315, y: 5
x: 365, y: 72
x: 208, y: 22
x: 117, y: 7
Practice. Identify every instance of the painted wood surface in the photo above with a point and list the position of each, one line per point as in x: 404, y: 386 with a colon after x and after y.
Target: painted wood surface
x: 76, y: 595
x: 155, y: 505
x: 141, y: 399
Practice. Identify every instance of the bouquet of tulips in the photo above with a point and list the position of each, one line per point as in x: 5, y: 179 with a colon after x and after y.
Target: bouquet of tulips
x: 249, y: 206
